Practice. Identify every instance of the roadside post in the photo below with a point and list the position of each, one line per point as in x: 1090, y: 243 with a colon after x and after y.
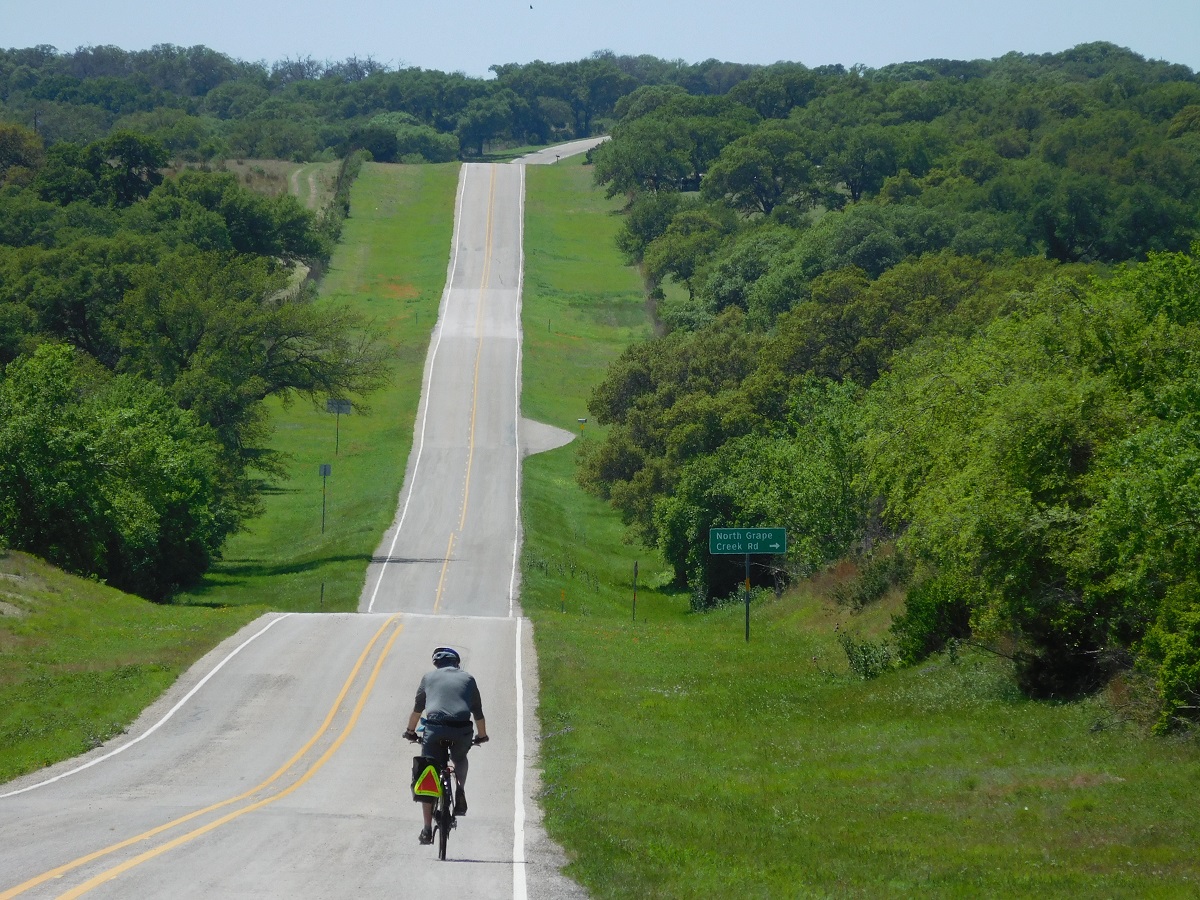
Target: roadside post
x: 326, y: 471
x: 747, y: 541
x: 337, y: 407
x: 582, y: 422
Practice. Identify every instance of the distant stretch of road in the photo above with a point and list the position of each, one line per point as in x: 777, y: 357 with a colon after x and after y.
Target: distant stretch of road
x: 275, y: 767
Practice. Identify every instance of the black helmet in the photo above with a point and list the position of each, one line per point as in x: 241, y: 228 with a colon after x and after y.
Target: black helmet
x: 446, y: 656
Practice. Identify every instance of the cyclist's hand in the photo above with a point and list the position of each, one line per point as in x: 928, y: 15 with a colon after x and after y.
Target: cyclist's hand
x: 411, y: 736
x: 480, y: 739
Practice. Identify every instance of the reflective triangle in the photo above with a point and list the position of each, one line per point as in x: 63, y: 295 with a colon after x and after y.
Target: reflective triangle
x: 428, y: 784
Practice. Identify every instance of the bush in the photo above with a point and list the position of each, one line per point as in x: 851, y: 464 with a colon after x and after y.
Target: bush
x: 867, y: 659
x: 878, y: 575
x: 105, y: 476
x: 936, y: 611
x: 1173, y: 647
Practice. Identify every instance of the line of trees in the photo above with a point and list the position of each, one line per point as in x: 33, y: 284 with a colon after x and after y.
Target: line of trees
x: 201, y: 104
x: 947, y: 308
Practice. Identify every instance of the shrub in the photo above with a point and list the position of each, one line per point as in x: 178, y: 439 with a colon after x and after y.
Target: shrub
x: 936, y: 611
x: 878, y: 575
x: 867, y: 659
x: 1173, y: 647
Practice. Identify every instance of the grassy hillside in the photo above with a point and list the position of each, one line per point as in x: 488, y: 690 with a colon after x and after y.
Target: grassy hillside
x: 79, y: 661
x: 681, y: 761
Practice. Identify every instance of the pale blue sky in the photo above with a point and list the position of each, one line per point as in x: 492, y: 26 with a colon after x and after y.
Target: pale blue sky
x: 470, y: 35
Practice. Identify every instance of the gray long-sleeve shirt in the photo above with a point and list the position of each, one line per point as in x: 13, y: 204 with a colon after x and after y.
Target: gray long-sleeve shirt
x: 449, y: 694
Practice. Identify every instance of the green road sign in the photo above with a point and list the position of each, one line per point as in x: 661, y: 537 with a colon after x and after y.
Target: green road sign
x: 747, y: 540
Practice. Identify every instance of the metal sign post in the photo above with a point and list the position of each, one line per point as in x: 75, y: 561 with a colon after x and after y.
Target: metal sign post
x: 747, y: 598
x: 326, y: 471
x: 337, y: 407
x: 763, y: 541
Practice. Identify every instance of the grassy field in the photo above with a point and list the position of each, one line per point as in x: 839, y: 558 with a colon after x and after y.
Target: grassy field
x: 79, y: 661
x: 681, y: 761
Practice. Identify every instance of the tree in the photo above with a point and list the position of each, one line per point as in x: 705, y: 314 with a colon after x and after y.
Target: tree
x: 126, y: 166
x: 117, y: 171
x: 800, y: 477
x: 483, y: 119
x: 984, y: 450
x: 107, y: 477
x: 220, y: 334
x: 688, y: 241
x: 647, y: 154
x: 21, y: 152
x: 762, y: 170
x: 668, y: 400
x: 598, y: 85
x: 646, y: 219
x: 861, y: 158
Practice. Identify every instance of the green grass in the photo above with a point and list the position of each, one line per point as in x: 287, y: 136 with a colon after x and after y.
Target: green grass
x: 391, y: 267
x: 79, y: 661
x: 680, y: 761
x: 578, y: 306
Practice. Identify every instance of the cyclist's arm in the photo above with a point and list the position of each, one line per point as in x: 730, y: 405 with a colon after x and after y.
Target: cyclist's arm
x: 481, y: 727
x: 418, y: 707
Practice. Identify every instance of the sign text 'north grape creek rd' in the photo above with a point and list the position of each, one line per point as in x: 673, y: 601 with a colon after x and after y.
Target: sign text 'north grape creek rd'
x: 747, y: 540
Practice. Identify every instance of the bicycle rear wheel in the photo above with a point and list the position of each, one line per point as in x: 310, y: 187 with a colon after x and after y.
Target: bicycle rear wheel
x: 444, y: 820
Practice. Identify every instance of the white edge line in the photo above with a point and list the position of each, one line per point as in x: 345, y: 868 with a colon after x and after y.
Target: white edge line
x: 512, y: 581
x: 519, y: 886
x: 174, y: 709
x: 427, y: 387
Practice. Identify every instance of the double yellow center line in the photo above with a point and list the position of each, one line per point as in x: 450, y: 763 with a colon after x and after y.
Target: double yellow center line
x: 304, y: 776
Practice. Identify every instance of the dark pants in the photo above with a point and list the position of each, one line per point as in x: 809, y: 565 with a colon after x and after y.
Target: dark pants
x: 432, y: 745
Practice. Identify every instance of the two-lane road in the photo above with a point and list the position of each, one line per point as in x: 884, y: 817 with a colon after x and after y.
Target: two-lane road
x: 456, y: 531
x: 275, y: 767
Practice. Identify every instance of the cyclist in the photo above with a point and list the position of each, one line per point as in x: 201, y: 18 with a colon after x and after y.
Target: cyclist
x: 449, y: 698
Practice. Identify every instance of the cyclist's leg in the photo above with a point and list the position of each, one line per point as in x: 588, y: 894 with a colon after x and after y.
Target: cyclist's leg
x: 458, y: 752
x: 461, y: 738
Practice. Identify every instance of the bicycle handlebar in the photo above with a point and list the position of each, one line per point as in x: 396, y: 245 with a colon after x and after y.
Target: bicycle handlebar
x: 413, y: 738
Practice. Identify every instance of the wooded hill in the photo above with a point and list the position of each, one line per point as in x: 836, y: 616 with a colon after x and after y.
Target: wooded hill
x: 942, y: 316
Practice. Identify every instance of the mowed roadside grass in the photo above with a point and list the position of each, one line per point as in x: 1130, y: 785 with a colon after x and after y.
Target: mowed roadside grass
x: 680, y: 761
x: 79, y: 661
x: 390, y: 267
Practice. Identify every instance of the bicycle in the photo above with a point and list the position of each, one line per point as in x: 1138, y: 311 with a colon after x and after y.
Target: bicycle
x: 444, y: 819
